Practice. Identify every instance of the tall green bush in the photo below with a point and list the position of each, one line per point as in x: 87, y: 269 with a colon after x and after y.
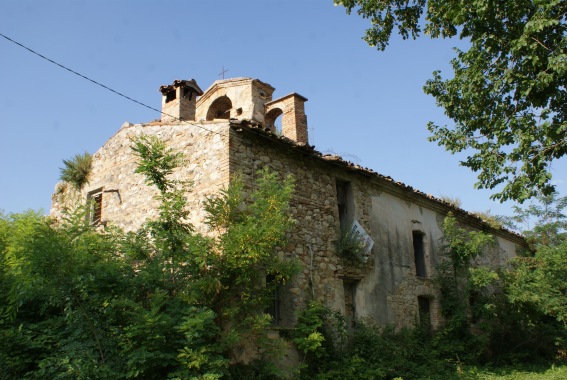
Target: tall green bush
x: 162, y: 302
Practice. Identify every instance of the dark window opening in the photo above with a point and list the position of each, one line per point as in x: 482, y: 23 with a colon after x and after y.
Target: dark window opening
x: 473, y: 304
x: 345, y: 204
x: 349, y: 288
x: 419, y: 254
x: 187, y: 93
x: 95, y: 212
x: 273, y: 308
x: 424, y: 304
x: 171, y: 95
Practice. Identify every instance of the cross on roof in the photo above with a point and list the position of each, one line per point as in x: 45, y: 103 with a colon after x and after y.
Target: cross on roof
x: 222, y: 72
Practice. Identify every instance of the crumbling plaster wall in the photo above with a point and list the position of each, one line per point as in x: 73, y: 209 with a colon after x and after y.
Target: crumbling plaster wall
x: 127, y: 200
x: 389, y: 294
x: 387, y: 286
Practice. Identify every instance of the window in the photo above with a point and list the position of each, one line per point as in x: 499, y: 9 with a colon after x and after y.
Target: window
x: 94, y: 198
x: 188, y: 93
x: 273, y: 308
x: 424, y: 304
x: 349, y: 288
x: 419, y: 254
x: 345, y: 203
x: 473, y: 305
x: 171, y: 95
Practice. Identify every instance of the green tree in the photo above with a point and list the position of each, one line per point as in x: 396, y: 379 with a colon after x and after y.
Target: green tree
x: 163, y: 302
x: 541, y: 281
x: 508, y: 93
x: 539, y: 276
x: 543, y: 222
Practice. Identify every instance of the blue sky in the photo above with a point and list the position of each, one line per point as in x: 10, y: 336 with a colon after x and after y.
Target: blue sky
x: 364, y: 105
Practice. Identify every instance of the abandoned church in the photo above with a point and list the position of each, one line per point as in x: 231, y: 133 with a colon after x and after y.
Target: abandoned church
x: 229, y: 129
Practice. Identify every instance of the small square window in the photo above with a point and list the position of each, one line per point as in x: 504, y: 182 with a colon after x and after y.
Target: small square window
x: 171, y: 95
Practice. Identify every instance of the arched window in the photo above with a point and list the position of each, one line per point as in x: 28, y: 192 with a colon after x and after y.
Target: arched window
x: 220, y: 109
x: 270, y: 120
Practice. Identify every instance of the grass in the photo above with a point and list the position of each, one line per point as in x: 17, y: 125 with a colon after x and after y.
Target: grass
x: 553, y: 372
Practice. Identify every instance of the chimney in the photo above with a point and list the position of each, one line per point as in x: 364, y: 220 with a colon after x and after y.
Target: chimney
x: 294, y: 120
x: 179, y: 100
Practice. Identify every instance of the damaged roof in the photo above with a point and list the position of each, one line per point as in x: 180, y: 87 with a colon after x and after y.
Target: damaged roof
x: 309, y: 150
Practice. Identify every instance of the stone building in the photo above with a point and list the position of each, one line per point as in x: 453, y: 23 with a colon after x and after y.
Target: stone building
x: 230, y: 129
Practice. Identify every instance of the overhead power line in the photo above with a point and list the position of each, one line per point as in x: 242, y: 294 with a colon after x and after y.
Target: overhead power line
x: 100, y: 84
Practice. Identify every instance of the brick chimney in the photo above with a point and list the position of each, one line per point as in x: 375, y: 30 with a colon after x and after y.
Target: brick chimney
x: 294, y: 120
x: 179, y: 100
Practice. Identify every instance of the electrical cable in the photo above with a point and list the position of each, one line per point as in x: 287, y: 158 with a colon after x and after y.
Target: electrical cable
x: 116, y: 92
x: 102, y: 85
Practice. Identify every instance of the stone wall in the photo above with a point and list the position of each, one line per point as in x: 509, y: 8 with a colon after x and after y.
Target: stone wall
x: 314, y: 208
x: 127, y: 200
x: 385, y: 289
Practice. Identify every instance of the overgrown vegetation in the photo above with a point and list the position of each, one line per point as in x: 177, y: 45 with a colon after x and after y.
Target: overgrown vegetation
x: 77, y: 170
x: 506, y: 94
x: 498, y: 324
x: 164, y: 302
x: 453, y: 201
x: 350, y: 247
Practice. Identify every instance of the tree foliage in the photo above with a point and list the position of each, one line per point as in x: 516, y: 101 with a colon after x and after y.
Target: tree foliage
x: 539, y: 278
x: 543, y: 222
x: 163, y: 302
x: 541, y: 281
x: 508, y: 93
x: 463, y: 245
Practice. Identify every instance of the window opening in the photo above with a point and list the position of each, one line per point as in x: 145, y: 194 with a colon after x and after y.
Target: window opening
x: 349, y: 288
x: 95, y: 207
x: 424, y: 304
x: 187, y: 93
x: 419, y: 254
x: 273, y: 308
x: 171, y: 95
x: 345, y: 203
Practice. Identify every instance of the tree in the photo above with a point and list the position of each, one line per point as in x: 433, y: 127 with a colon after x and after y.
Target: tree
x: 543, y: 222
x: 541, y: 281
x: 540, y: 277
x: 79, y: 301
x: 508, y: 94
